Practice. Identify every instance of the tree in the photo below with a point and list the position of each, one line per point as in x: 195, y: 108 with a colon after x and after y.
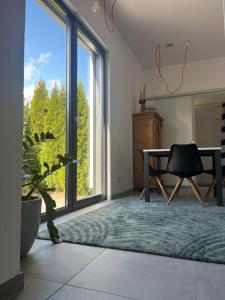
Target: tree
x: 31, y: 153
x: 38, y: 107
x: 48, y: 114
x: 37, y: 114
x: 83, y: 142
x: 55, y: 122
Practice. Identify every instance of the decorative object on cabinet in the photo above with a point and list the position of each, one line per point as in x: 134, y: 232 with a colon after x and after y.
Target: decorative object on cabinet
x: 142, y: 100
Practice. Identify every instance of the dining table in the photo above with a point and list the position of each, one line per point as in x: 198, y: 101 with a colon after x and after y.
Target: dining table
x: 213, y: 152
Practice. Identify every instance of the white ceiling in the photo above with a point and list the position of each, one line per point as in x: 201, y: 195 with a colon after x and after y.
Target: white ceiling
x: 147, y: 23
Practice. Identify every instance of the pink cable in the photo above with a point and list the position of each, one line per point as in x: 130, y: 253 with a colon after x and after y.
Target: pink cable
x: 111, y: 29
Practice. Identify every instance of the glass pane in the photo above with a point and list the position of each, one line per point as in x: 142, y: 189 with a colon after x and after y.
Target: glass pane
x: 89, y: 122
x: 44, y: 91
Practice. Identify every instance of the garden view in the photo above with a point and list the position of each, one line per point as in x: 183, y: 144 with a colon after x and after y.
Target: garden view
x: 46, y: 111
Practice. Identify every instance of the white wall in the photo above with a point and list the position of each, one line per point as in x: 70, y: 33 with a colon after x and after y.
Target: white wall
x: 124, y: 79
x: 177, y: 125
x: 199, y: 76
x: 11, y: 105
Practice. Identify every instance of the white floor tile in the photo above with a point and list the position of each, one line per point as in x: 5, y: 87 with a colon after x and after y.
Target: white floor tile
x: 59, y: 262
x: 71, y: 293
x: 144, y: 276
x: 37, y: 289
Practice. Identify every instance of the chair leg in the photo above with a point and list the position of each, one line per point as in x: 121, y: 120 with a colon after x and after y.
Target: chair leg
x: 210, y: 190
x: 177, y: 187
x: 142, y: 193
x: 196, y: 191
x: 162, y: 188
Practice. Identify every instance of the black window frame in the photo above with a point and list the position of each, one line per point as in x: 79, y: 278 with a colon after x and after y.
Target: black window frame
x: 73, y: 25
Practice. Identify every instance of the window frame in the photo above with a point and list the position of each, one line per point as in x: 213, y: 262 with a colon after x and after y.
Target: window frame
x: 73, y: 25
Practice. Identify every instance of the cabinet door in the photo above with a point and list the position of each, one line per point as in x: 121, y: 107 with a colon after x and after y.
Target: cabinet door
x: 139, y: 138
x: 146, y: 136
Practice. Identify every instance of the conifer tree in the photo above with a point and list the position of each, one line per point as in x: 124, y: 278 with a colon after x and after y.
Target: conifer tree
x: 37, y: 114
x: 82, y: 142
x: 38, y: 107
x: 55, y: 122
x: 32, y: 154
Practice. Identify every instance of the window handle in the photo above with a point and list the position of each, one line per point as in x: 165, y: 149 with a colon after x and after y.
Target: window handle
x: 77, y: 121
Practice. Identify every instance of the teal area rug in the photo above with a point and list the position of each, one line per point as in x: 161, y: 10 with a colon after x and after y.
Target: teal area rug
x: 181, y: 230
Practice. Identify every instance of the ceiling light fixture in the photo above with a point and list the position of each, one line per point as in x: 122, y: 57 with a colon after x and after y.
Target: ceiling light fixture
x: 158, y: 65
x: 169, y: 45
x: 96, y: 7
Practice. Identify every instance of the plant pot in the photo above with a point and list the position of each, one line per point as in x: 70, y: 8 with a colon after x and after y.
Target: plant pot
x: 30, y: 221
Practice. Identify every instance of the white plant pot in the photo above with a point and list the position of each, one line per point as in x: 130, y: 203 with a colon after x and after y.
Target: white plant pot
x: 30, y: 221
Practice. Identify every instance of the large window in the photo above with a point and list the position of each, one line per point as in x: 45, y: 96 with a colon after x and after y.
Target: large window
x: 63, y: 94
x: 89, y: 117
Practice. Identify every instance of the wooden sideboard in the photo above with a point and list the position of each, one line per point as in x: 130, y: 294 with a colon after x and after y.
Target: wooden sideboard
x: 146, y: 134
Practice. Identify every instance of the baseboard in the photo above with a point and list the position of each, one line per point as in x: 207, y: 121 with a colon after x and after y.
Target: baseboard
x: 12, y: 287
x: 119, y: 195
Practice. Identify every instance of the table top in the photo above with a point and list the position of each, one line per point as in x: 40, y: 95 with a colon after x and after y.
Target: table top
x: 165, y: 150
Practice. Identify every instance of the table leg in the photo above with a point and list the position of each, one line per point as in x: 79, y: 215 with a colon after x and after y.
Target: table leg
x: 157, y: 168
x: 218, y: 169
x: 146, y: 177
x: 214, y: 169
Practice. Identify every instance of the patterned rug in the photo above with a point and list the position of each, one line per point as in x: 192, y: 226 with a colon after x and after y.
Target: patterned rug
x: 181, y: 230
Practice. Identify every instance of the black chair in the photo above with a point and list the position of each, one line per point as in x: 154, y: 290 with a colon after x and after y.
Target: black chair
x: 185, y: 162
x: 155, y: 173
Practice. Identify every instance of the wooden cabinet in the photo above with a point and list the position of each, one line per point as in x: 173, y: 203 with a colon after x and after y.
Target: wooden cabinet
x: 146, y: 134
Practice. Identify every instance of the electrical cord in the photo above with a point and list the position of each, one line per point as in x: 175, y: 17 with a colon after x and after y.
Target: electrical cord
x: 111, y: 29
x: 158, y: 65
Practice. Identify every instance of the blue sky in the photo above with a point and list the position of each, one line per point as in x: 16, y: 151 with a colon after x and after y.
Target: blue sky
x: 45, y: 51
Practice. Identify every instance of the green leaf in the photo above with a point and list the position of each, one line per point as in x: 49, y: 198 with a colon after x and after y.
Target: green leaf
x: 25, y: 146
x: 42, y: 136
x: 50, y: 213
x: 29, y: 139
x: 55, y: 167
x: 49, y: 136
x: 36, y: 137
x: 62, y: 158
x: 53, y: 233
x: 46, y: 165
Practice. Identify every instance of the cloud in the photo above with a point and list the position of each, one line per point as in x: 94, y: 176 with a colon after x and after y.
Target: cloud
x: 54, y: 82
x: 28, y: 92
x: 30, y: 70
x: 31, y: 67
x: 43, y: 58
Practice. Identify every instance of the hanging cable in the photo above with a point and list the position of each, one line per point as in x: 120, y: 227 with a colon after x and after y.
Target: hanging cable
x: 110, y: 28
x: 158, y: 65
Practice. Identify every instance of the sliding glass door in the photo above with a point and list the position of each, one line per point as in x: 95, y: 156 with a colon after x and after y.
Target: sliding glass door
x: 45, y: 90
x: 63, y: 94
x: 89, y: 120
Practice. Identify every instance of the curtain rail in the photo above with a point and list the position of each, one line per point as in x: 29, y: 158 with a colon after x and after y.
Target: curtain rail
x: 207, y: 92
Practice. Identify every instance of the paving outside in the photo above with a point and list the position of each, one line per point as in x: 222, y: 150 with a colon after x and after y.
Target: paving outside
x: 59, y: 198
x: 69, y: 271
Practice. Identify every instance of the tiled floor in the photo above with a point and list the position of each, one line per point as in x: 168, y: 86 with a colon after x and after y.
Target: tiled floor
x: 76, y: 272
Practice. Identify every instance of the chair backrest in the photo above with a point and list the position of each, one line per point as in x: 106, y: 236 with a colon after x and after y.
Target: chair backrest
x: 184, y: 160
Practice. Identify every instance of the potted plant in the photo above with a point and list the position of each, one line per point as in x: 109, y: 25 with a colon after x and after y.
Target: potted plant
x: 34, y: 190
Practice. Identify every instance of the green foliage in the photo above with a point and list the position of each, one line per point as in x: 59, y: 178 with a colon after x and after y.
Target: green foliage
x: 33, y: 180
x: 31, y: 152
x: 83, y: 141
x: 39, y: 107
x: 48, y: 113
x: 55, y: 122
